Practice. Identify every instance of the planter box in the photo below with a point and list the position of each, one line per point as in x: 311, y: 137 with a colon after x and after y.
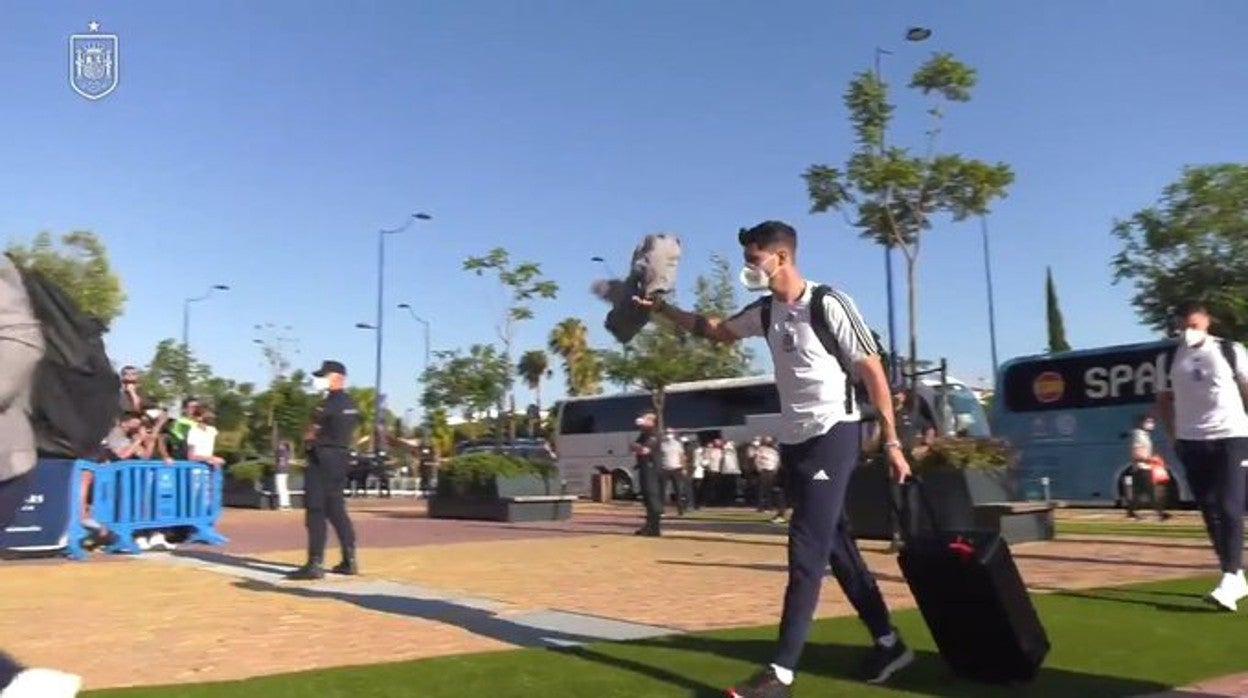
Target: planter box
x: 245, y: 494
x: 512, y: 499
x: 960, y: 499
x: 543, y: 508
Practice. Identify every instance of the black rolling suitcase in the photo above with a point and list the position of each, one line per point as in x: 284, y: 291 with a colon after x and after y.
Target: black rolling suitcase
x: 973, y: 599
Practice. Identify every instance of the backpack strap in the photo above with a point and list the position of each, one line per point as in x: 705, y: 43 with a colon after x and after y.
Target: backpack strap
x: 764, y: 315
x: 819, y: 324
x: 1228, y: 353
x: 1232, y: 357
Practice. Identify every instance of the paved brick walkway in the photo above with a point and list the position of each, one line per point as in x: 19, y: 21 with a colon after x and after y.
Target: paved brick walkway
x: 144, y: 622
x: 1226, y: 687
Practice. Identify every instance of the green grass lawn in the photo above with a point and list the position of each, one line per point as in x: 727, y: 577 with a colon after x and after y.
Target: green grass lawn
x: 1106, y: 643
x: 1142, y: 529
x: 1145, y: 528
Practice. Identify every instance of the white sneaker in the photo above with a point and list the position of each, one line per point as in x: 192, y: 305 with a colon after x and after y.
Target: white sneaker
x: 143, y: 542
x: 43, y: 683
x: 1239, y: 585
x: 158, y: 542
x: 1228, y: 593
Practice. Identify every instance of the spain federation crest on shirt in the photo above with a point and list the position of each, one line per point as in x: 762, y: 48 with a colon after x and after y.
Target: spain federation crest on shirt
x: 93, y: 62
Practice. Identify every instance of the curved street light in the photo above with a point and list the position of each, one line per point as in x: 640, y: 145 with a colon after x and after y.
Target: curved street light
x: 379, y: 323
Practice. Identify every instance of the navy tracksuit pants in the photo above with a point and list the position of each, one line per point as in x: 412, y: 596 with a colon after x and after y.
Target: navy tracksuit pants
x: 1217, y: 471
x: 817, y: 473
x: 12, y: 495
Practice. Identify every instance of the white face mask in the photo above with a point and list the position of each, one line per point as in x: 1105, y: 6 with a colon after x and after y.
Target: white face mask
x: 320, y: 384
x: 754, y: 278
x: 1192, y: 337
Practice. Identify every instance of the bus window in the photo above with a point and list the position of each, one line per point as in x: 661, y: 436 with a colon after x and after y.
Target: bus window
x: 966, y: 413
x: 603, y: 416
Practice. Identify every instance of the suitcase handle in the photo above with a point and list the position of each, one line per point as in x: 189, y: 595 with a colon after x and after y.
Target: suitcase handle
x: 902, y: 507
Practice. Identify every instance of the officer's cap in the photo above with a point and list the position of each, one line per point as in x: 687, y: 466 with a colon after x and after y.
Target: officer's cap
x: 329, y: 366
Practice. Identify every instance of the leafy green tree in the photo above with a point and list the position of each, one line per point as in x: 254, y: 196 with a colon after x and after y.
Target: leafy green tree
x: 524, y: 284
x: 534, y: 367
x: 716, y: 295
x: 1191, y: 245
x: 662, y: 354
x: 894, y: 193
x: 278, y: 349
x: 77, y: 262
x: 172, y: 373
x: 282, y: 411
x: 582, y: 367
x: 1057, y: 325
x: 469, y: 384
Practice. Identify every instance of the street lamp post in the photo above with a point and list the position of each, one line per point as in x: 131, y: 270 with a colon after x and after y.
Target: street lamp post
x: 186, y: 328
x: 914, y: 34
x: 380, y: 322
x: 422, y: 321
x: 186, y: 312
x: 992, y: 314
x: 603, y: 262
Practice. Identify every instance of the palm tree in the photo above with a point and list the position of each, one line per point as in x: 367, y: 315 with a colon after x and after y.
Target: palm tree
x: 570, y: 341
x: 533, y: 367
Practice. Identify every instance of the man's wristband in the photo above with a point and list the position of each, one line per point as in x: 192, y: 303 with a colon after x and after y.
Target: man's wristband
x: 892, y: 444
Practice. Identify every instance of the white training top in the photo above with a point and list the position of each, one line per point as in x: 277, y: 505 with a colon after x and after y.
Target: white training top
x: 732, y: 465
x: 766, y: 458
x: 809, y: 379
x: 1207, y: 401
x: 673, y: 453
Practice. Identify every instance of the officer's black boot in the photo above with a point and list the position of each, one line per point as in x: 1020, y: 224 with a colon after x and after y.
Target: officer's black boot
x: 309, y: 572
x: 348, y: 566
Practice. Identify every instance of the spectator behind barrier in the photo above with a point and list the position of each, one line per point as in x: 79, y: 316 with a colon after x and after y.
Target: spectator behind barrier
x: 182, y: 426
x: 201, y: 439
x: 130, y: 398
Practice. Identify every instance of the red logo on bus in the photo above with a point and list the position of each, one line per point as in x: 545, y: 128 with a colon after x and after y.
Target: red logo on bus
x: 1048, y: 386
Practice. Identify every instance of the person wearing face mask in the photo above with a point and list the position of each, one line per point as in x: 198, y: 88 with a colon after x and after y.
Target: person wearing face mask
x: 1147, y: 472
x: 819, y: 345
x: 329, y: 437
x: 1202, y: 410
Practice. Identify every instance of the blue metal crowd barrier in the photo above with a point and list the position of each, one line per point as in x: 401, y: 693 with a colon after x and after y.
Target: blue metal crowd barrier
x: 127, y: 498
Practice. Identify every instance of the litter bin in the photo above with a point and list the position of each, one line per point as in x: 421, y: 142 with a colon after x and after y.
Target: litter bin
x: 602, y: 484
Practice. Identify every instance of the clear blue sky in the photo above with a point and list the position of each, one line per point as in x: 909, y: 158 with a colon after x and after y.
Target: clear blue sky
x: 261, y: 144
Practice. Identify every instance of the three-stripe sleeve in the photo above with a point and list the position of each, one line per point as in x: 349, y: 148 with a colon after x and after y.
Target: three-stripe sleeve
x: 847, y: 325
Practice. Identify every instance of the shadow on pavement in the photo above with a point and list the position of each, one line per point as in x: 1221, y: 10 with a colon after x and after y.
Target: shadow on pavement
x: 478, y: 621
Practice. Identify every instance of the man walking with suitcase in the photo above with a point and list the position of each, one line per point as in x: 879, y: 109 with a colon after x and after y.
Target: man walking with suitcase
x: 820, y: 346
x: 1203, y: 412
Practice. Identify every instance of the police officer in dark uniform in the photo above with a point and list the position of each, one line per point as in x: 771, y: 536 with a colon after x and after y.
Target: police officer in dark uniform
x: 646, y: 449
x: 329, y: 439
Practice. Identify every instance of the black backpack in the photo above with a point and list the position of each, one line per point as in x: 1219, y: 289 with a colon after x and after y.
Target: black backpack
x: 855, y: 388
x: 74, y: 401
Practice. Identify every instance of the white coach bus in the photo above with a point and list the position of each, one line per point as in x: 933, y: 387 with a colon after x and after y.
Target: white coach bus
x: 594, y: 433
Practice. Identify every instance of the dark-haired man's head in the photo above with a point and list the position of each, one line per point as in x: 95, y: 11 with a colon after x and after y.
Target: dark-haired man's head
x: 1192, y: 320
x: 769, y: 249
x: 129, y: 375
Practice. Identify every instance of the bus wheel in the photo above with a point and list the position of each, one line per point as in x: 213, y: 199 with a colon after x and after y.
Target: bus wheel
x: 621, y: 486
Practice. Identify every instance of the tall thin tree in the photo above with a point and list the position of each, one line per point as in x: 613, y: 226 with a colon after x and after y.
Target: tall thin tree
x: 1057, y: 326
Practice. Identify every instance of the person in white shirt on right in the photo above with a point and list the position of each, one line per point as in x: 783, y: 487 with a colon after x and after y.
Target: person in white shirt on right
x: 672, y: 471
x: 1203, y: 412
